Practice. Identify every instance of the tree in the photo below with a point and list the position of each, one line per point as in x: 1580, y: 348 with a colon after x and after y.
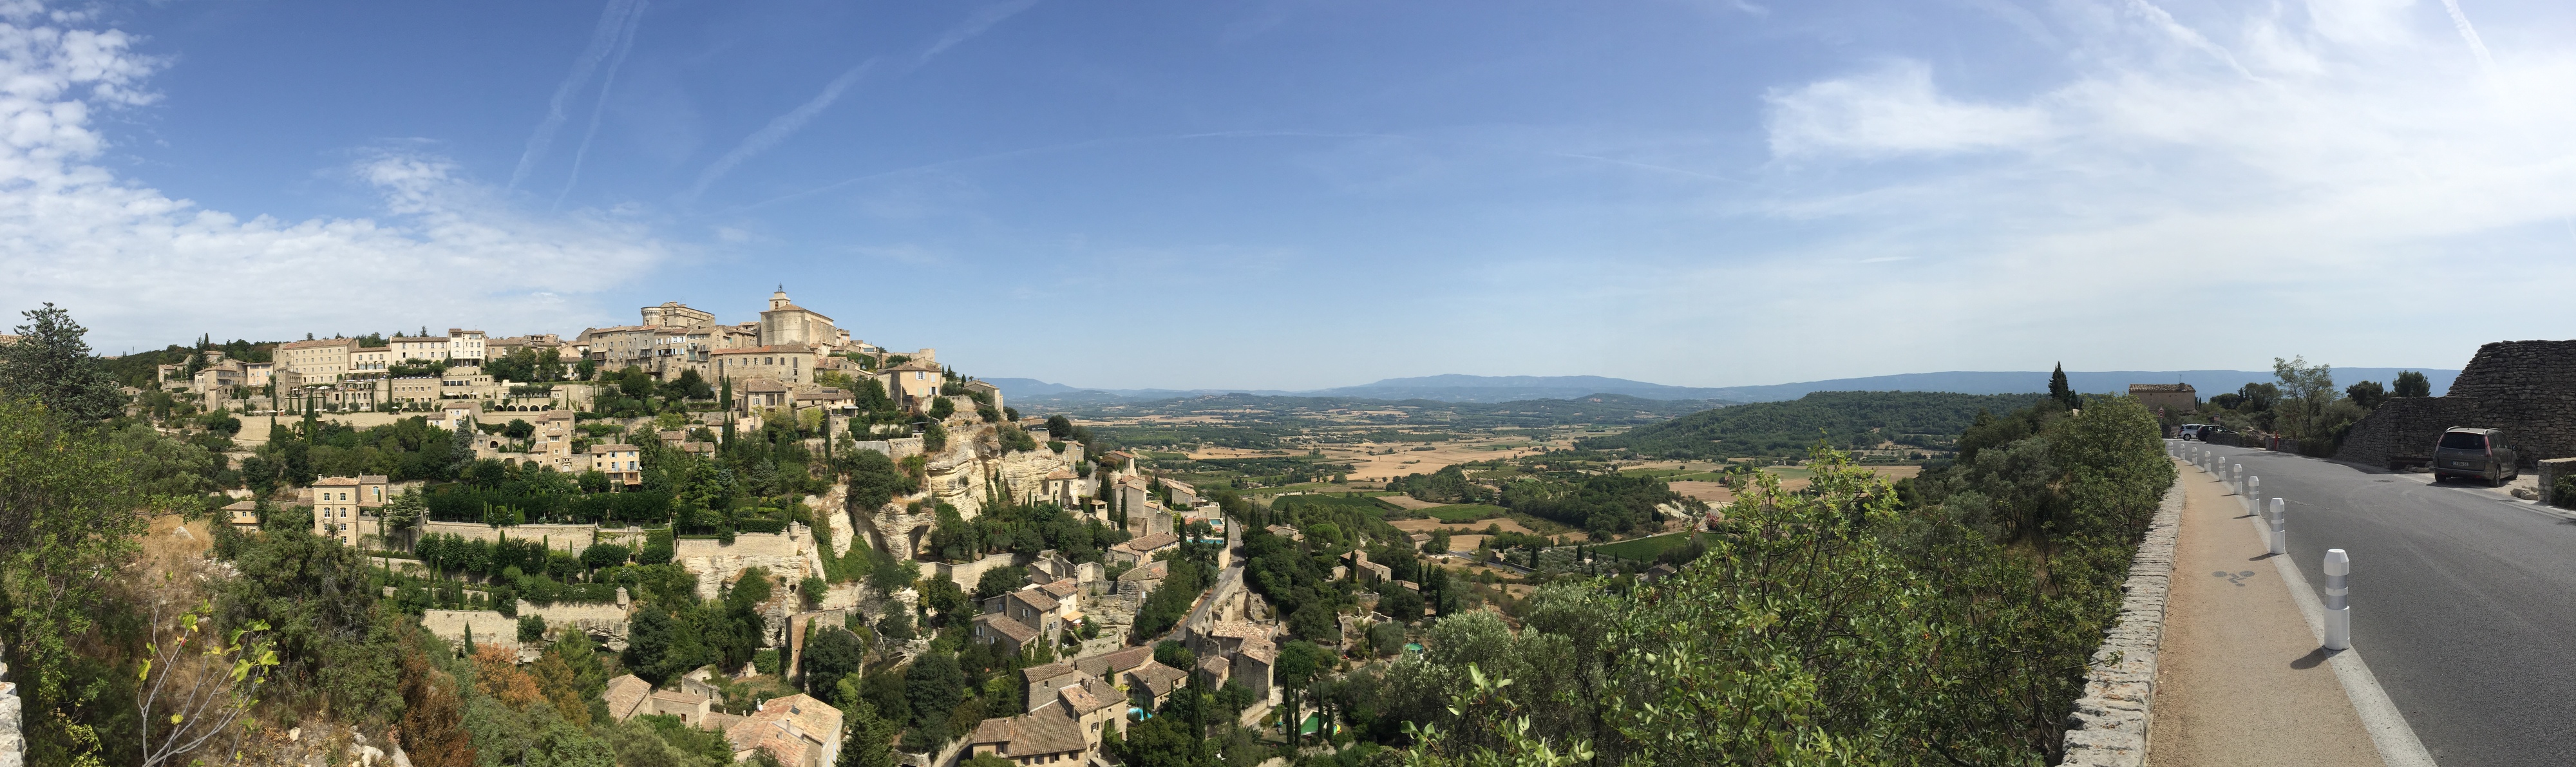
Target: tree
x: 1059, y: 427
x: 2411, y: 384
x: 433, y: 722
x: 2367, y: 394
x: 50, y: 363
x: 460, y: 448
x: 532, y: 629
x: 404, y: 513
x: 2060, y: 391
x: 941, y: 408
x: 634, y: 382
x: 831, y: 654
x: 2309, y: 389
x: 933, y: 686
x: 70, y: 516
x: 869, y: 739
x: 519, y: 428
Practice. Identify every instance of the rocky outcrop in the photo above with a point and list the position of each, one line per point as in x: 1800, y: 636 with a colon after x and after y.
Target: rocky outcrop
x: 788, y: 555
x: 961, y: 475
x: 2526, y: 388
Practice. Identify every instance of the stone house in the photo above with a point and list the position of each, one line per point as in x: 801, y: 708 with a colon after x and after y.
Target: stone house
x: 339, y: 502
x: 1051, y: 735
x: 992, y: 394
x: 798, y: 730
x: 317, y: 361
x: 1032, y: 607
x: 242, y: 515
x: 792, y: 363
x: 619, y: 462
x: 756, y: 393
x: 913, y: 383
x: 1151, y: 683
x: 2173, y: 398
x: 1008, y: 635
x: 1143, y: 548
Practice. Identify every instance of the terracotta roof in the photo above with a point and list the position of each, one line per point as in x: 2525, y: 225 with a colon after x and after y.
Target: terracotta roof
x: 1111, y: 663
x: 1158, y: 678
x: 1036, y: 674
x: 1060, y: 474
x: 1259, y: 651
x: 1001, y: 624
x: 371, y: 479
x: 1215, y: 667
x: 763, y: 386
x: 1080, y: 701
x: 1149, y: 543
x: 624, y: 694
x: 786, y: 727
x: 1238, y: 630
x: 2175, y: 387
x: 1060, y: 588
x: 597, y: 449
x: 317, y: 343
x: 1036, y: 597
x: 1150, y: 571
x: 1048, y: 730
x: 335, y: 482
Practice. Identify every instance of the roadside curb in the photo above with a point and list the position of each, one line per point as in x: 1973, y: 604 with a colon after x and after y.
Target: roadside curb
x: 2109, y: 725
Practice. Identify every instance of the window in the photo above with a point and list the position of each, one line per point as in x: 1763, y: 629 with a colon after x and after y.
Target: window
x: 2464, y: 440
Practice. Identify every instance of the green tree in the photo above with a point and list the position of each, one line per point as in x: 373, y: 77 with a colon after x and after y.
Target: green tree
x: 2367, y: 394
x: 50, y: 363
x: 2308, y: 389
x: 830, y: 655
x: 934, y: 686
x: 70, y: 516
x: 868, y: 739
x: 2411, y: 384
x: 2060, y: 391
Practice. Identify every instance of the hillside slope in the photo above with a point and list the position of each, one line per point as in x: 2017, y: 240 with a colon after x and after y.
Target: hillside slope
x: 1846, y: 419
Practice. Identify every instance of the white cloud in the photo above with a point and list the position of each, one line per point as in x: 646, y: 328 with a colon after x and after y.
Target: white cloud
x: 1894, y: 110
x: 143, y: 269
x: 2328, y: 169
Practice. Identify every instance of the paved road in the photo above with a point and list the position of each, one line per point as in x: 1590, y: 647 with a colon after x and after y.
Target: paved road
x: 2464, y: 601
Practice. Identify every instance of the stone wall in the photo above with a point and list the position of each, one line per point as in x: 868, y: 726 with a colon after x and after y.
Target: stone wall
x: 604, y: 621
x: 967, y: 574
x: 2109, y: 724
x: 13, y: 739
x: 2527, y: 388
x: 571, y: 538
x: 490, y: 627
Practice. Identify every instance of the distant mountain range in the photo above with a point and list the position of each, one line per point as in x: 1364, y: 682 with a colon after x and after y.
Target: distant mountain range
x: 1470, y: 388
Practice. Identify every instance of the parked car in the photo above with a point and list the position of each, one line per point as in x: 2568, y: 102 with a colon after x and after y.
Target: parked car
x: 2475, y: 453
x: 2192, y: 430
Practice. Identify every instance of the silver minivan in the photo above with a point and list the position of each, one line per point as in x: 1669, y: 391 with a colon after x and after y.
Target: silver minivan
x: 2475, y: 453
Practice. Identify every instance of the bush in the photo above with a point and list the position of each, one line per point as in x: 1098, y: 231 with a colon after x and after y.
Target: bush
x: 765, y: 661
x: 532, y: 629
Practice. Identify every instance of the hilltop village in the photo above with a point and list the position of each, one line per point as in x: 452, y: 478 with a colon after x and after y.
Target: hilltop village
x: 762, y: 526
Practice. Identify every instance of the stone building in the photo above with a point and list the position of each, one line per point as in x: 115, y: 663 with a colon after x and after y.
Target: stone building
x: 2173, y: 398
x: 786, y: 323
x: 2526, y: 388
x: 339, y: 502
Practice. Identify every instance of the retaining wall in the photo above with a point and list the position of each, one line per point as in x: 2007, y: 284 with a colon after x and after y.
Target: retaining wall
x: 2527, y: 388
x: 2109, y: 725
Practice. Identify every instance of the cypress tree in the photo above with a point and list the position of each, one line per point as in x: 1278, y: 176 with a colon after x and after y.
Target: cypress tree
x: 2058, y: 390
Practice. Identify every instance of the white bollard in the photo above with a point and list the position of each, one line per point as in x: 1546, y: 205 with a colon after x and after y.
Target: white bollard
x: 2338, y: 591
x: 2253, y: 495
x: 2280, y: 527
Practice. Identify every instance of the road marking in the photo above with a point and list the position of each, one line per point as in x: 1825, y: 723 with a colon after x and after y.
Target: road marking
x: 2388, y: 729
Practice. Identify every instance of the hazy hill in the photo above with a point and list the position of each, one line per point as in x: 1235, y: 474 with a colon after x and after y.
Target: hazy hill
x: 1470, y: 388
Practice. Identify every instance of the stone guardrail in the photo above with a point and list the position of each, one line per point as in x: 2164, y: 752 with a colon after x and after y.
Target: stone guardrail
x: 2109, y: 725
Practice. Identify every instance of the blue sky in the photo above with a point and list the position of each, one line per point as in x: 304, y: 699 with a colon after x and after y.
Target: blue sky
x: 1294, y: 195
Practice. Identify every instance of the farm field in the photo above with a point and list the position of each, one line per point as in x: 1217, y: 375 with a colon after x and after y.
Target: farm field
x: 1644, y: 549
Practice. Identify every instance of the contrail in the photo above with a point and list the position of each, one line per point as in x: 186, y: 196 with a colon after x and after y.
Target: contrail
x: 783, y: 126
x: 2189, y: 36
x: 982, y: 20
x: 602, y: 38
x: 779, y: 128
x: 625, y: 42
x: 2476, y: 46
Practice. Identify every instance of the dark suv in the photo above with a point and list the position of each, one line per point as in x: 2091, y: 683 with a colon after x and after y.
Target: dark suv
x: 2475, y: 453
